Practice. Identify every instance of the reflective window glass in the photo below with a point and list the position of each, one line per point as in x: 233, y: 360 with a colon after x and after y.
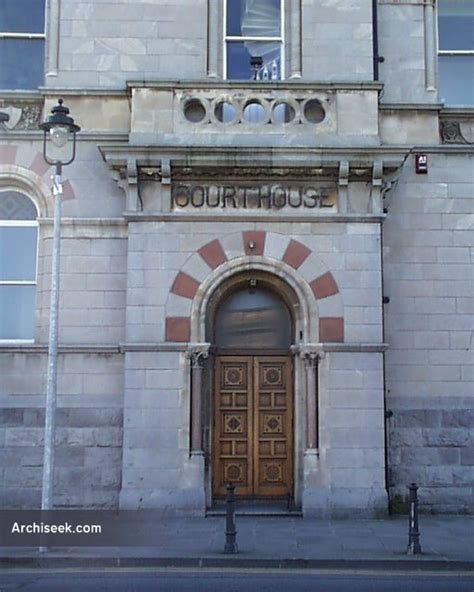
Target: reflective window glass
x: 456, y: 24
x: 16, y: 206
x: 21, y: 63
x: 238, y: 60
x: 18, y: 253
x: 254, y: 30
x: 22, y: 16
x: 456, y: 79
x: 17, y: 305
x: 18, y: 247
x: 254, y: 18
x: 253, y: 319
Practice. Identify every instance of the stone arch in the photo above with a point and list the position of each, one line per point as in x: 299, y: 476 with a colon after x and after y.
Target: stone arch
x: 303, y: 311
x: 275, y: 253
x: 17, y: 178
x: 22, y: 165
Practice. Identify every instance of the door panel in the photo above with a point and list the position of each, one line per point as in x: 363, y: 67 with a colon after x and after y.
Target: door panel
x: 272, y: 426
x: 253, y: 433
x: 233, y: 412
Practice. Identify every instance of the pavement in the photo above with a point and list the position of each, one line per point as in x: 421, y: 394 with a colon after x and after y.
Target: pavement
x: 447, y: 543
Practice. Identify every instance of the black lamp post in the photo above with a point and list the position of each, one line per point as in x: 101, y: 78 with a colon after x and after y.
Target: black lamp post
x: 60, y: 130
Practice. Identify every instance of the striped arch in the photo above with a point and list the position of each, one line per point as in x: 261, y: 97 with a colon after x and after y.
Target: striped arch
x: 253, y: 246
x: 20, y: 162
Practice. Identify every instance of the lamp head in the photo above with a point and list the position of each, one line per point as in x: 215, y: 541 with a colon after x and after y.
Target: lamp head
x: 59, y: 127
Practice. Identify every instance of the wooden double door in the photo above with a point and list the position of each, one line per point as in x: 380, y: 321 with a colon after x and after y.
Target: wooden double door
x: 253, y: 426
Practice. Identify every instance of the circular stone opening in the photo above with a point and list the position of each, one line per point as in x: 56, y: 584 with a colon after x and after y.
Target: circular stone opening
x: 224, y: 112
x: 254, y: 112
x: 194, y: 110
x: 313, y: 111
x: 283, y: 113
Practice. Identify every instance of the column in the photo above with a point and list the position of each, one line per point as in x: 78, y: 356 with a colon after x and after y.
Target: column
x: 52, y: 37
x: 430, y: 45
x: 295, y: 39
x: 311, y: 369
x: 213, y: 49
x: 196, y: 354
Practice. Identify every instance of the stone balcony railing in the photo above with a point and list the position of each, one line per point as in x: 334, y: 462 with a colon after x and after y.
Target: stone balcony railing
x: 236, y: 113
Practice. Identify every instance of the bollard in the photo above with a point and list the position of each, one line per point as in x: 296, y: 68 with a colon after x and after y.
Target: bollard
x: 230, y: 532
x: 414, y: 547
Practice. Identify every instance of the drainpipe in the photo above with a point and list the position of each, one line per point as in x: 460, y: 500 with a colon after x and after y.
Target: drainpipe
x: 377, y: 59
x: 387, y: 413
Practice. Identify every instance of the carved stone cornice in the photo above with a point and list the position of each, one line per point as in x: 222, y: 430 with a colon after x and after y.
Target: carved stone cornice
x: 270, y: 172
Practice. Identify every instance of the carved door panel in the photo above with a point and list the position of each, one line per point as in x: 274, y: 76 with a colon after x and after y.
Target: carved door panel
x: 233, y: 415
x: 253, y: 438
x: 273, y: 437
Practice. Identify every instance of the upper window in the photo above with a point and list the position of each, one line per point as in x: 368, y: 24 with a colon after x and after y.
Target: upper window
x: 254, y: 29
x: 18, y: 245
x: 456, y: 51
x: 21, y: 44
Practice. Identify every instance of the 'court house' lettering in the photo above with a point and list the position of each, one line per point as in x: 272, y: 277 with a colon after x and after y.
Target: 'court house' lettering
x: 259, y: 197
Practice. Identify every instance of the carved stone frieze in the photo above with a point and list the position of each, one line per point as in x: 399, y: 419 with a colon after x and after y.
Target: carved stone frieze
x: 23, y: 115
x: 451, y: 133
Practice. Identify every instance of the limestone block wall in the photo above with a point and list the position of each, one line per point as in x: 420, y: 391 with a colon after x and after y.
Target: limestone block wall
x: 403, y: 29
x: 337, y: 40
x: 157, y: 470
x: 93, y: 282
x: 351, y: 425
x: 428, y: 275
x: 89, y: 428
x: 102, y: 44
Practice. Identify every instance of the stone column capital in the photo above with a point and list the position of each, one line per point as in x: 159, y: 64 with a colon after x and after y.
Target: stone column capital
x: 197, y: 352
x: 310, y: 353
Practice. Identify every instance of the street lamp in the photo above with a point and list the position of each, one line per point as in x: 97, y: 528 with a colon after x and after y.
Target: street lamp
x: 60, y: 131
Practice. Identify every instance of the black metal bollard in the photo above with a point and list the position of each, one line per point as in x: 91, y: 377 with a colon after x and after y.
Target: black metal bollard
x: 414, y: 547
x: 230, y: 531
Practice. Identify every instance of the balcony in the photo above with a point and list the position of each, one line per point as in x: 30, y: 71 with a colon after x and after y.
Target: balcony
x: 254, y: 114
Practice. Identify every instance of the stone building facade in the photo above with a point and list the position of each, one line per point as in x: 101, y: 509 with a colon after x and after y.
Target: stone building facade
x: 266, y: 278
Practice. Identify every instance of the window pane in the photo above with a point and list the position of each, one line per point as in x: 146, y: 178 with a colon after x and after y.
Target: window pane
x: 456, y: 79
x: 238, y: 60
x: 18, y: 253
x: 21, y: 63
x: 22, y: 16
x: 254, y: 18
x: 16, y: 206
x: 253, y: 318
x: 17, y: 310
x: 456, y: 24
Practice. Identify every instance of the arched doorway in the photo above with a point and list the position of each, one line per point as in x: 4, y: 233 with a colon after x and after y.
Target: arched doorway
x: 250, y: 324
